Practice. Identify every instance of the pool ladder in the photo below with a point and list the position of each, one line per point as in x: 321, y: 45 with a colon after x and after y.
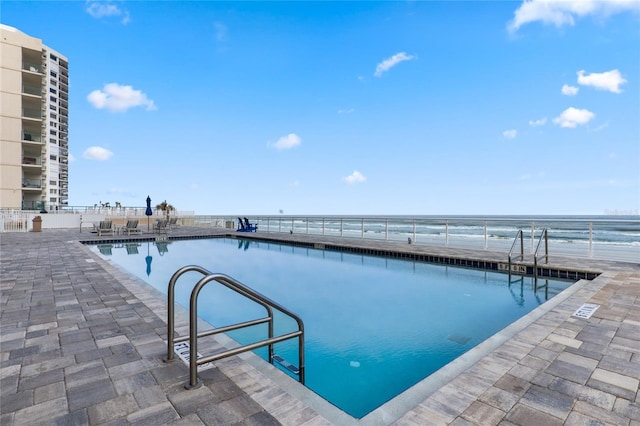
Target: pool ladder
x: 193, y: 336
x: 544, y: 236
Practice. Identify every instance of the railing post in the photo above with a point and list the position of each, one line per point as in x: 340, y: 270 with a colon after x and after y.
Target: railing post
x: 362, y: 228
x: 590, y: 239
x: 307, y: 226
x: 386, y: 229
x: 323, y: 226
x: 533, y: 236
x: 414, y: 230
x: 341, y: 226
x: 486, y: 243
x: 446, y: 233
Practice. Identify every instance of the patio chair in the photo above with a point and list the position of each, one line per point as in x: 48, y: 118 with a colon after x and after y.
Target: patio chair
x: 161, y: 225
x: 132, y: 227
x: 249, y: 226
x: 173, y: 223
x: 104, y: 228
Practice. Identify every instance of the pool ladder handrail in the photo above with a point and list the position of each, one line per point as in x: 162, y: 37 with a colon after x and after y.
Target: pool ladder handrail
x: 544, y: 236
x: 243, y: 290
x: 519, y: 236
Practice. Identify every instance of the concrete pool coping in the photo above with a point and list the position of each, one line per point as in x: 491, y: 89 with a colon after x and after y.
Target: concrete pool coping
x: 518, y: 375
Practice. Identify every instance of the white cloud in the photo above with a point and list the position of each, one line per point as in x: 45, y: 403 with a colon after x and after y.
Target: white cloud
x: 538, y: 123
x: 116, y: 97
x: 221, y: 31
x: 106, y: 10
x: 510, y: 134
x: 572, y: 117
x: 72, y: 158
x: 609, y: 80
x: 286, y: 142
x: 97, y: 153
x: 565, y: 12
x: 569, y: 90
x: 355, y: 177
x: 391, y: 62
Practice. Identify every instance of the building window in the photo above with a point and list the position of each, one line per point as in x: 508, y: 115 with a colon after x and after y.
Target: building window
x: 53, y: 132
x: 53, y: 141
x: 53, y: 74
x: 53, y: 158
x: 53, y: 191
x: 53, y: 99
x: 53, y: 57
x: 53, y: 116
x: 53, y: 200
x: 52, y: 90
x: 53, y: 107
x: 53, y: 82
x: 53, y: 182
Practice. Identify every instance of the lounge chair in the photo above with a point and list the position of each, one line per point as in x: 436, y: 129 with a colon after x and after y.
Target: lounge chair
x: 161, y: 225
x: 245, y: 226
x: 132, y: 227
x: 104, y: 228
x: 249, y: 226
x: 173, y: 223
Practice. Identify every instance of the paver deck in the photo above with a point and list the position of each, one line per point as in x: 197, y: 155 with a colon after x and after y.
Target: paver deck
x: 82, y: 342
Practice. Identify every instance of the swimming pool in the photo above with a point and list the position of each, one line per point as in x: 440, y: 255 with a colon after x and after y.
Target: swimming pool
x: 373, y: 326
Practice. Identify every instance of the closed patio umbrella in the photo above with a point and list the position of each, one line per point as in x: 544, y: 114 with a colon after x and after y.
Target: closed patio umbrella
x: 148, y: 212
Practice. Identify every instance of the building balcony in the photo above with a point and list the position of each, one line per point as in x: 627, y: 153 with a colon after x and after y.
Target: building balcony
x: 33, y: 137
x: 28, y: 184
x: 33, y: 113
x: 31, y: 90
x: 31, y: 161
x: 32, y: 67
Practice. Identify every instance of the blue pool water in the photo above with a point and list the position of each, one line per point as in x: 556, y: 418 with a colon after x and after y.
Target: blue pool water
x: 373, y: 326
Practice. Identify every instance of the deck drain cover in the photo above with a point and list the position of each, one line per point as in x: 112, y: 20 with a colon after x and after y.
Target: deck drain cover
x: 182, y: 349
x: 585, y: 311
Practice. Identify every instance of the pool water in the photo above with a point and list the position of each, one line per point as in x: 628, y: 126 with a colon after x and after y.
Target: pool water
x: 373, y: 326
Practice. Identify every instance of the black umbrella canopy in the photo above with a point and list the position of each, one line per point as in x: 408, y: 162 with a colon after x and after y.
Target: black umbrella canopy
x: 149, y: 212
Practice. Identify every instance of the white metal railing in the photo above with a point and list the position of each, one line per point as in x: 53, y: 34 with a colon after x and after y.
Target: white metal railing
x: 611, y: 238
x: 614, y: 238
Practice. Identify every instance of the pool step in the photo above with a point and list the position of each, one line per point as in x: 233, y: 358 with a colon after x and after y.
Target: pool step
x: 286, y: 364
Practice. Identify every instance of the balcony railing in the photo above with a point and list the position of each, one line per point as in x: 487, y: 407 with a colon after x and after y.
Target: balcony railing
x: 32, y: 67
x: 32, y: 113
x: 31, y: 161
x: 32, y: 90
x: 31, y: 137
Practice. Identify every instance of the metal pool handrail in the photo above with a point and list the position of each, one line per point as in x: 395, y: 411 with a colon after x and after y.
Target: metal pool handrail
x: 243, y: 290
x: 519, y: 236
x: 543, y: 236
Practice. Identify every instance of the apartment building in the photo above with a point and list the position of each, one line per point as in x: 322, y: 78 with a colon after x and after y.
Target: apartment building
x: 34, y: 123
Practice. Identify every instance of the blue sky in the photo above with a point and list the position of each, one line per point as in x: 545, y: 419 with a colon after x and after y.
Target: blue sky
x: 416, y: 107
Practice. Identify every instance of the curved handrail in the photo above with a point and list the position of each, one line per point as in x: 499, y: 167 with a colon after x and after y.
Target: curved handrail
x: 171, y: 305
x: 519, y: 235
x: 240, y: 288
x: 544, y: 235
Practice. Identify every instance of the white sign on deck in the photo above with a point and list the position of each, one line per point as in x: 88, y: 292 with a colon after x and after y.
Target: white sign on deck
x: 182, y: 349
x: 585, y: 311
